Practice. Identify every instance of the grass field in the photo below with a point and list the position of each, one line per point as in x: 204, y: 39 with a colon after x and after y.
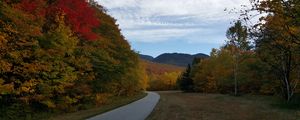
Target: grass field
x: 196, y: 106
x: 116, y: 102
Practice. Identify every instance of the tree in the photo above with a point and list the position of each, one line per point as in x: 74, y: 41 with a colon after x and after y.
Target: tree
x: 79, y: 15
x: 50, y: 59
x: 185, y: 81
x: 237, y: 35
x: 58, y: 46
x: 238, y: 42
x: 19, y: 66
x: 277, y: 39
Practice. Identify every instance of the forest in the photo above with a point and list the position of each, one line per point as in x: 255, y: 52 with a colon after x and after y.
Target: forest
x: 62, y: 56
x: 260, y: 58
x: 162, y: 77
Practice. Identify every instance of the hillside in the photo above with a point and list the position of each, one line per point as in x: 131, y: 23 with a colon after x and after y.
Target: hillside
x: 159, y: 68
x: 162, y: 76
x: 62, y: 56
x: 178, y: 59
x: 146, y: 57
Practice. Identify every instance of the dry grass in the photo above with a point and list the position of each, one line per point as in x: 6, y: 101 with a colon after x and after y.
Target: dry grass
x: 195, y: 106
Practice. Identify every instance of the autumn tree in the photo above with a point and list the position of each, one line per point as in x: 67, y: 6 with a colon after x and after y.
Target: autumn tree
x: 162, y: 76
x: 237, y: 36
x: 79, y: 15
x: 53, y: 60
x: 277, y: 39
x: 58, y: 46
x: 20, y: 69
x: 115, y: 73
x: 214, y: 74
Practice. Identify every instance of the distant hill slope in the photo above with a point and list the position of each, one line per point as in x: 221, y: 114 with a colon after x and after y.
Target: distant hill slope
x: 162, y: 76
x: 146, y: 57
x: 159, y: 68
x: 178, y: 59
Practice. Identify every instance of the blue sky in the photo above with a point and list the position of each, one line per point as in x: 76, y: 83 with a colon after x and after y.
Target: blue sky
x: 153, y: 27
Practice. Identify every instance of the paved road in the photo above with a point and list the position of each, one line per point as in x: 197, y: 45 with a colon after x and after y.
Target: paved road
x: 138, y: 110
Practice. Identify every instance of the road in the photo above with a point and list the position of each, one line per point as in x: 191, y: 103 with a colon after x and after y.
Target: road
x: 138, y: 110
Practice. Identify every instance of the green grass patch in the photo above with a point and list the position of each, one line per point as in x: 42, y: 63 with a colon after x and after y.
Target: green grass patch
x: 294, y: 104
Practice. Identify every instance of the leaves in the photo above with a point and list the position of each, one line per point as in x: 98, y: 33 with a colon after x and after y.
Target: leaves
x: 277, y: 40
x: 5, y: 88
x: 52, y: 58
x: 80, y: 16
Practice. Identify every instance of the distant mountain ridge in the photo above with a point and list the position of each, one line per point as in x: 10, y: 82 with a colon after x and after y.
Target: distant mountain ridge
x: 146, y: 57
x: 178, y: 59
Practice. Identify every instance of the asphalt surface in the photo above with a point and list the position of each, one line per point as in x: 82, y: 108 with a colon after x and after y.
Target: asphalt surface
x: 138, y: 110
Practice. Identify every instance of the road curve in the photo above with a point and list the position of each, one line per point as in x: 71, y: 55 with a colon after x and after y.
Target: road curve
x: 138, y: 110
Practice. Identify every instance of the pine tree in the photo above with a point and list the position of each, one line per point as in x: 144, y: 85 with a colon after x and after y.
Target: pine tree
x: 185, y: 82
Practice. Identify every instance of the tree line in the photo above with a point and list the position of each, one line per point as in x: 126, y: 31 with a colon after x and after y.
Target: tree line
x: 62, y: 55
x: 162, y: 76
x: 260, y: 58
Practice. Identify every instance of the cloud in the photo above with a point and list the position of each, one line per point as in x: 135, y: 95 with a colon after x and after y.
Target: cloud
x: 157, y: 35
x: 165, y: 20
x: 118, y: 3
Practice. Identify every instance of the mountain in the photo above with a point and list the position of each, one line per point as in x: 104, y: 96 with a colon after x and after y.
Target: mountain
x: 146, y: 57
x: 162, y: 76
x: 178, y: 59
x: 159, y: 68
x: 201, y: 55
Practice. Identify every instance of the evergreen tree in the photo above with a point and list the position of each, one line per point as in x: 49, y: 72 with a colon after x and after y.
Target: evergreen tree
x: 185, y: 82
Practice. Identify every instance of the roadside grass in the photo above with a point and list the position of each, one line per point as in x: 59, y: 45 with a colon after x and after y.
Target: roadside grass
x: 84, y: 114
x: 294, y: 104
x: 197, y: 106
x: 276, y: 102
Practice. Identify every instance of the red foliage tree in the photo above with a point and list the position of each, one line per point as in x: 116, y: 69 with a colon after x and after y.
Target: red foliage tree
x: 34, y: 7
x: 80, y: 16
x: 28, y: 5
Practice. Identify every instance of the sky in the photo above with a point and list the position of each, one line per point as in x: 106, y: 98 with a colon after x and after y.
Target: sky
x: 153, y: 27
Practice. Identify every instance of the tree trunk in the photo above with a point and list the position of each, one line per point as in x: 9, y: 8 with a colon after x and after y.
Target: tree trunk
x: 287, y: 90
x: 235, y: 70
x: 235, y: 83
x: 286, y: 67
